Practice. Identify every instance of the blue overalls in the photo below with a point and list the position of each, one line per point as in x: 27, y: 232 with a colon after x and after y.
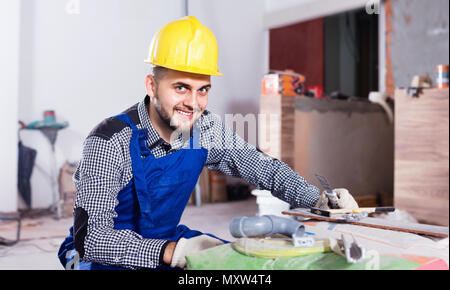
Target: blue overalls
x: 152, y: 203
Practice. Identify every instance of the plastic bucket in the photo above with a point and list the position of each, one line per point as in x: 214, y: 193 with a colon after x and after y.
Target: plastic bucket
x: 268, y: 204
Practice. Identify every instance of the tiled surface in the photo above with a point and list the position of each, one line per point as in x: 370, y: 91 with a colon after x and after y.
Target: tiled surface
x: 41, y: 237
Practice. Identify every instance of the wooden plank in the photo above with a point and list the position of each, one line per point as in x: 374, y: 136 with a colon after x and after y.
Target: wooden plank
x: 276, y: 136
x: 424, y: 229
x: 421, y: 178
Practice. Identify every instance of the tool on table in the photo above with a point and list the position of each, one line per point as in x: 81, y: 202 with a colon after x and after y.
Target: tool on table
x: 351, y: 215
x: 332, y: 197
x: 276, y: 242
x: 351, y: 250
x: 416, y: 228
x: 355, y: 216
x: 342, y: 211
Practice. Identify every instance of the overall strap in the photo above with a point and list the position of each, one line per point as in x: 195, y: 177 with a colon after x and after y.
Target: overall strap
x: 194, y: 142
x: 127, y: 120
x: 138, y: 151
x: 141, y: 135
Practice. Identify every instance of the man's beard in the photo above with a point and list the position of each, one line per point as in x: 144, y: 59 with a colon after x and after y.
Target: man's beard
x: 165, y: 117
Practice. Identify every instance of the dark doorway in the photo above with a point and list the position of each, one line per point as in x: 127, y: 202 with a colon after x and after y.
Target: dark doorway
x: 338, y: 52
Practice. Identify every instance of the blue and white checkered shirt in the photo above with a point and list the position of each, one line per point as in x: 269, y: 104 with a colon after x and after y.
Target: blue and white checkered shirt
x: 105, y: 168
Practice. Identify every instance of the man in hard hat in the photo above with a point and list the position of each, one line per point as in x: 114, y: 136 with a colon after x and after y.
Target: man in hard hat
x: 139, y: 168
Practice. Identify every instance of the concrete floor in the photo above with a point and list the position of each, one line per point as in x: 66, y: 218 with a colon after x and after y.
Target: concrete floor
x: 41, y: 237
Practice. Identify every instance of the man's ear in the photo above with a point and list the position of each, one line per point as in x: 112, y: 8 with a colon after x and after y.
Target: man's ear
x: 150, y: 86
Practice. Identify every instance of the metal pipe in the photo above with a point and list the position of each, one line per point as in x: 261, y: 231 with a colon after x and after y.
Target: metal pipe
x: 186, y: 7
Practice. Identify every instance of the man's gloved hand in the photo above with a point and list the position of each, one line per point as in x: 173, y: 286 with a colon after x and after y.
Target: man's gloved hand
x: 322, y: 203
x: 345, y: 200
x: 187, y: 247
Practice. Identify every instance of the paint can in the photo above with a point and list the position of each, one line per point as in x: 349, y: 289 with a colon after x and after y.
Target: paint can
x: 442, y: 76
x: 49, y: 116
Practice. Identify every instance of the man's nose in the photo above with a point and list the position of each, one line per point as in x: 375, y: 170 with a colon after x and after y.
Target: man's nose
x: 190, y: 100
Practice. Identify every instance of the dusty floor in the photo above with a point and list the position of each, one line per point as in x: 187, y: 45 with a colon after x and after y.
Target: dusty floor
x: 41, y: 237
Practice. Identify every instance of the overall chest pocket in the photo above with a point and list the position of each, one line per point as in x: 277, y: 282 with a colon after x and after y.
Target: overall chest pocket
x: 169, y: 179
x: 169, y: 194
x: 171, y: 186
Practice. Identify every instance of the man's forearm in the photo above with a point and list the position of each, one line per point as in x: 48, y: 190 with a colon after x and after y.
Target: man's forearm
x: 266, y: 173
x: 168, y: 252
x: 230, y: 154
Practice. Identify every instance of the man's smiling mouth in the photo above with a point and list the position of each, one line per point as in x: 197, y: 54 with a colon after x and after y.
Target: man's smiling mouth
x: 185, y: 114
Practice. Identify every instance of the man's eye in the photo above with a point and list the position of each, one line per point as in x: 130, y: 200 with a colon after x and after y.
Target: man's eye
x: 180, y: 89
x: 203, y: 90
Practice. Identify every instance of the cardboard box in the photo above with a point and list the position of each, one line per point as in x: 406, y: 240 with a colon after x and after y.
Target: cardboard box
x: 218, y: 186
x: 286, y: 83
x: 204, y: 188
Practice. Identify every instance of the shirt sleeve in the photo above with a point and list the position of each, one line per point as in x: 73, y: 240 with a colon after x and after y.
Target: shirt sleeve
x: 230, y: 154
x: 98, y: 181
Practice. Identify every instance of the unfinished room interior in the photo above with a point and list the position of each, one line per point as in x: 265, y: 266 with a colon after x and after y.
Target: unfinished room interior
x: 224, y: 135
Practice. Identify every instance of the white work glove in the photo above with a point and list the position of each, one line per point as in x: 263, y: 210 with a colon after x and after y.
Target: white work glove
x: 187, y: 247
x: 345, y: 200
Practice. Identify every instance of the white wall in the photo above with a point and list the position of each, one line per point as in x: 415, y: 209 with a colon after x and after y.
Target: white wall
x: 237, y: 26
x: 88, y: 64
x: 9, y: 91
x: 286, y: 12
x: 274, y: 5
x: 85, y: 62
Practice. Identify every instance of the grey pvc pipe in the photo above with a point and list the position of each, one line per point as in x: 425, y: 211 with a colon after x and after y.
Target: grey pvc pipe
x: 265, y: 225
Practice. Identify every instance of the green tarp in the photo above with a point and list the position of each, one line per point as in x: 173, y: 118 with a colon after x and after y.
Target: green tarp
x: 225, y: 258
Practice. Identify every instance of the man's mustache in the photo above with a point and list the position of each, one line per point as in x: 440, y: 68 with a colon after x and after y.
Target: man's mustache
x: 195, y: 110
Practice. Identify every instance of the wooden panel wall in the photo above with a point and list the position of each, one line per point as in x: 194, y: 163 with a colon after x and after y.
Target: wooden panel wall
x: 299, y: 47
x: 421, y: 182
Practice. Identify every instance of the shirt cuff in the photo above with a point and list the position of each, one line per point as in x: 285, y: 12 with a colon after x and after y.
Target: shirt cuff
x: 151, y: 251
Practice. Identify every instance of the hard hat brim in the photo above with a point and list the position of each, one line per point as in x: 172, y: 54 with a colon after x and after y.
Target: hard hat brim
x: 183, y: 68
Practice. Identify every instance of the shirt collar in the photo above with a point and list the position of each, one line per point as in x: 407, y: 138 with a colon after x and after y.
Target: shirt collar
x: 154, y: 139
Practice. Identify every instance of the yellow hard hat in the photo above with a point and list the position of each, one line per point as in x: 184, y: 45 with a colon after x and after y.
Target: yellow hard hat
x: 185, y: 45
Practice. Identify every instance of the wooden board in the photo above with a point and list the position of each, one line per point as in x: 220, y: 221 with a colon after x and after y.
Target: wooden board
x: 205, y: 186
x: 421, y: 177
x: 299, y: 47
x: 276, y: 129
x: 423, y: 229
